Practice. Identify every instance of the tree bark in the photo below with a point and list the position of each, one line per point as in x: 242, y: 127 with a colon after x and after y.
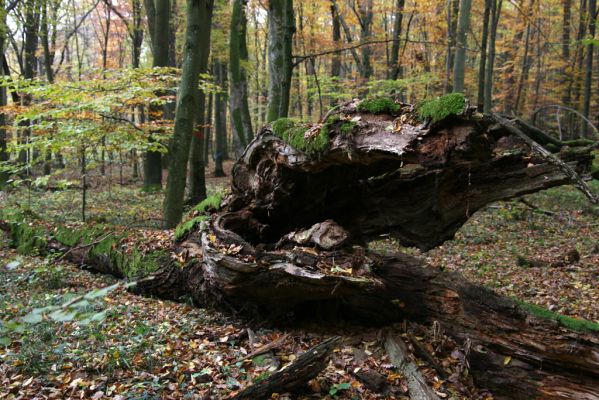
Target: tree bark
x: 4, y: 156
x: 197, y: 184
x: 588, y: 71
x: 459, y: 69
x: 495, y: 15
x: 453, y: 7
x: 394, y: 67
x: 198, y: 27
x: 238, y: 58
x: 159, y: 16
x: 281, y: 27
x: 220, y: 118
x: 483, y: 55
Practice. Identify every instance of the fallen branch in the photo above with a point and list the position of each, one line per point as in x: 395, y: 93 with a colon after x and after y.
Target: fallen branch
x: 510, y: 126
x: 295, y: 375
x: 398, y: 355
x: 266, y: 348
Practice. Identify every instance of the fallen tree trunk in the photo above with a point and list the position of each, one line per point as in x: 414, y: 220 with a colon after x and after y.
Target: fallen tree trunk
x: 290, y: 239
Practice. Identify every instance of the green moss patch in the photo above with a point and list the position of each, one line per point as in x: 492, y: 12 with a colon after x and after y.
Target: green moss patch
x: 379, y: 105
x: 442, y: 107
x: 185, y: 228
x: 211, y: 202
x: 293, y: 132
x: 580, y: 325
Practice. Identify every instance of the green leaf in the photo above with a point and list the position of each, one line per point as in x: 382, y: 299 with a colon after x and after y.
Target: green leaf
x: 5, y: 341
x: 34, y: 317
x: 63, y: 315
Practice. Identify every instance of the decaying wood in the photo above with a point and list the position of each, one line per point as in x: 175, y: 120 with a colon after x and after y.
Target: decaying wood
x: 295, y: 375
x: 399, y: 356
x: 290, y: 242
x: 393, y: 175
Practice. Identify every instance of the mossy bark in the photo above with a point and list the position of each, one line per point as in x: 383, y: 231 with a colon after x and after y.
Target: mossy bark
x: 199, y: 14
x: 238, y: 57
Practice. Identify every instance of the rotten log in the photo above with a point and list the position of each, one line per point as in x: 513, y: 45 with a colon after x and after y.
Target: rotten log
x: 290, y: 238
x: 399, y: 356
x: 297, y: 374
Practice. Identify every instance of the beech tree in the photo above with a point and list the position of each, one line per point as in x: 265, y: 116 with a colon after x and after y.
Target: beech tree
x: 281, y: 27
x: 460, y: 55
x: 199, y: 14
x: 588, y: 72
x: 238, y: 59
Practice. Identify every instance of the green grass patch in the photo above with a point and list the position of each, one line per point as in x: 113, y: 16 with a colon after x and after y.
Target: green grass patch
x: 442, y: 107
x: 575, y: 324
x: 379, y: 105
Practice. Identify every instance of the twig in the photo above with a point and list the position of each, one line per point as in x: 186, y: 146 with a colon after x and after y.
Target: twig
x: 120, y: 119
x: 266, y: 348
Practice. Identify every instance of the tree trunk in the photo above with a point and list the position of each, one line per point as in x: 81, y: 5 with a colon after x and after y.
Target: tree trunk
x: 220, y: 118
x: 453, y: 7
x: 483, y: 55
x: 495, y: 15
x: 394, y: 67
x: 567, y: 69
x: 199, y: 14
x: 366, y: 16
x: 280, y: 63
x: 238, y: 57
x: 208, y: 128
x: 459, y: 69
x: 588, y: 70
x: 197, y: 184
x: 159, y: 16
x: 4, y: 156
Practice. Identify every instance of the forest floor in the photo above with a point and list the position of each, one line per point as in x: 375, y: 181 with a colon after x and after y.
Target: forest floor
x: 149, y: 348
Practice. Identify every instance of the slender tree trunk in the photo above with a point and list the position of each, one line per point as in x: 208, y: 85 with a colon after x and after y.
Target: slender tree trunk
x: 199, y: 14
x: 208, y: 128
x: 495, y: 15
x: 366, y: 16
x: 197, y: 184
x: 336, y: 62
x: 576, y: 84
x: 453, y: 7
x: 4, y: 156
x: 459, y: 69
x: 31, y: 32
x: 566, y: 71
x: 588, y: 75
x: 159, y: 23
x: 394, y: 67
x: 238, y: 58
x: 280, y: 64
x: 220, y: 118
x: 483, y: 55
x: 523, y: 81
x: 48, y: 61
